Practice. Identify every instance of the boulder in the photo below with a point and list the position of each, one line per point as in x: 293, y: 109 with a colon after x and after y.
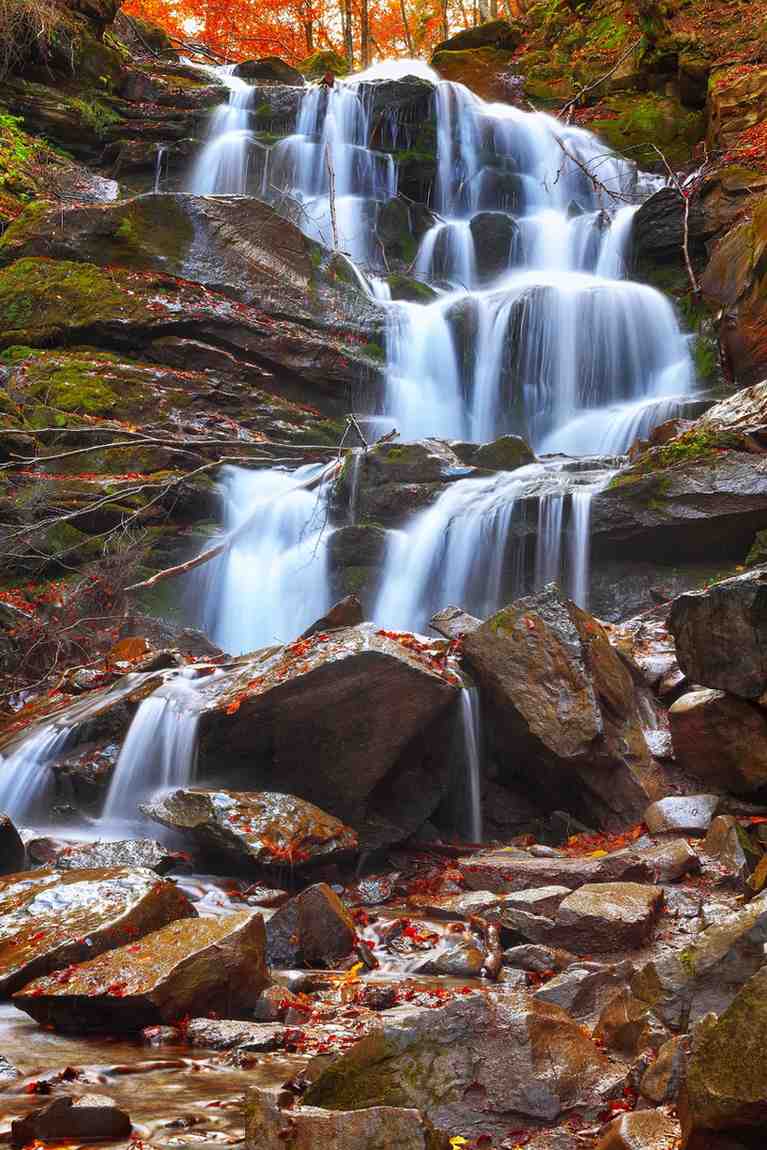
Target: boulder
x: 538, y: 900
x: 642, y: 1130
x: 506, y: 453
x: 455, y: 907
x: 737, y: 101
x: 490, y: 34
x: 724, y: 844
x: 147, y: 853
x: 12, y: 852
x: 256, y: 828
x: 726, y: 1085
x: 468, y: 1061
x: 681, y: 814
x: 227, y: 1034
x: 269, y: 68
x: 663, y: 1079
x: 537, y: 959
x: 461, y: 958
x: 49, y: 920
x: 561, y: 707
x: 362, y: 706
x: 454, y: 622
x: 609, y: 916
x: 89, y: 1118
x: 195, y: 965
x: 267, y: 1127
x: 496, y: 241
x: 721, y: 634
x: 312, y: 929
x: 583, y: 989
x: 346, y: 613
x: 657, y: 233
x: 721, y: 739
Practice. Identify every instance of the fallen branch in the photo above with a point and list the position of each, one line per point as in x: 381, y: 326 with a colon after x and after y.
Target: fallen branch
x: 332, y: 197
x: 567, y: 108
x: 694, y: 284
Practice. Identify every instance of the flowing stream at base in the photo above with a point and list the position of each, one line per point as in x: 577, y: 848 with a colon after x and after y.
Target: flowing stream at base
x: 534, y: 329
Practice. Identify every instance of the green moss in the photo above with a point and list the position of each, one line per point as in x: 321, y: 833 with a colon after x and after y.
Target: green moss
x: 96, y: 115
x: 407, y: 288
x: 315, y: 66
x: 687, y: 960
x: 639, y: 121
x: 373, y: 351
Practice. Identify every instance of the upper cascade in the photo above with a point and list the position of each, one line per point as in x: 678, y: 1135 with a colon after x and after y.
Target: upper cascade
x: 536, y: 329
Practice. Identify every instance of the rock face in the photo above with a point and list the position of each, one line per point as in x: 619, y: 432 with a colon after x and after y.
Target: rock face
x: 358, y: 705
x: 12, y: 851
x: 49, y: 920
x: 313, y: 929
x: 467, y: 1061
x: 89, y: 1118
x: 490, y: 34
x: 562, y: 702
x: 726, y: 1087
x: 721, y: 739
x: 196, y: 965
x: 721, y: 634
x: 307, y: 1127
x: 255, y: 827
x: 609, y: 916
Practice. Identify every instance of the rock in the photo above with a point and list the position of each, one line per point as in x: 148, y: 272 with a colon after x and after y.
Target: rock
x: 496, y: 245
x: 269, y: 68
x: 7, y: 1070
x: 726, y: 1086
x: 582, y: 989
x: 89, y: 1118
x: 455, y: 907
x: 49, y: 920
x: 361, y: 706
x: 12, y: 851
x: 721, y: 739
x: 147, y: 853
x: 609, y: 916
x: 346, y: 613
x: 308, y: 1127
x: 626, y: 1025
x: 663, y: 1079
x: 561, y: 701
x: 463, y: 958
x: 737, y: 101
x: 255, y: 827
x: 642, y: 1130
x: 490, y: 34
x: 537, y: 959
x: 518, y: 1056
x: 724, y: 844
x: 504, y: 454
x: 212, y: 964
x: 540, y: 900
x: 226, y: 1034
x: 657, y: 233
x: 721, y: 634
x: 683, y: 814
x: 453, y: 622
x: 276, y: 1002
x: 317, y: 64
x: 312, y: 929
x: 507, y: 871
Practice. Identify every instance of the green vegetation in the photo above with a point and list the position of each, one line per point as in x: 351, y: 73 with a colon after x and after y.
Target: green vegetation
x: 96, y: 115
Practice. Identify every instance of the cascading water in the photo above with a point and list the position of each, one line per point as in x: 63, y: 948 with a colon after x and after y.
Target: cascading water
x: 223, y: 166
x: 471, y: 732
x: 25, y: 778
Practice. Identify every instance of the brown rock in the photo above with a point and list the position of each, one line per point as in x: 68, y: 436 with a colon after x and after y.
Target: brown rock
x: 12, y: 853
x: 346, y: 613
x: 536, y: 958
x: 49, y: 920
x: 608, y: 916
x: 683, y: 814
x: 146, y: 853
x: 257, y: 827
x: 226, y: 1034
x: 312, y: 929
x: 720, y: 738
x: 455, y: 907
x: 626, y: 1025
x: 307, y: 1127
x: 664, y: 1077
x: 90, y: 1118
x: 212, y: 964
x: 583, y: 989
x: 642, y: 1130
x: 454, y: 622
x: 723, y: 843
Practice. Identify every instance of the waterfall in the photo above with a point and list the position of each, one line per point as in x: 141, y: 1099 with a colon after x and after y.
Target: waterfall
x: 25, y: 778
x: 471, y: 731
x: 222, y: 168
x: 273, y: 582
x: 162, y: 151
x: 159, y: 751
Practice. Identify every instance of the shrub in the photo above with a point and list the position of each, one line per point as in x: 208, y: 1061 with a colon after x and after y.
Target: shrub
x: 34, y: 30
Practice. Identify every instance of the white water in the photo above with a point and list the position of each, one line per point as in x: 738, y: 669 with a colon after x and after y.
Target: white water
x: 471, y: 730
x: 25, y: 778
x: 223, y: 166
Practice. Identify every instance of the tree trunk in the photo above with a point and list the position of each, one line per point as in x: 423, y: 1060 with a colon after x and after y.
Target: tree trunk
x: 406, y: 28
x: 484, y: 11
x: 364, y: 34
x: 349, y: 33
x: 443, y: 19
x: 493, y: 9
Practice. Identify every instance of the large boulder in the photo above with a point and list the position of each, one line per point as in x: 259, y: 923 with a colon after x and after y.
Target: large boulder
x: 681, y: 814
x: 187, y: 968
x: 269, y: 68
x: 363, y: 707
x: 726, y: 1086
x: 608, y: 916
x: 737, y: 99
x: 88, y: 1118
x: 49, y: 920
x: 254, y: 827
x: 658, y: 228
x: 313, y: 929
x: 472, y: 1060
x: 721, y: 739
x: 721, y: 634
x: 643, y: 1130
x: 561, y: 706
x: 490, y: 34
x: 12, y: 852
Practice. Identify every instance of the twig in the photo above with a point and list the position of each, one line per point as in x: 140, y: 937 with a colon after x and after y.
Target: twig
x: 332, y: 196
x: 694, y: 284
x: 566, y: 108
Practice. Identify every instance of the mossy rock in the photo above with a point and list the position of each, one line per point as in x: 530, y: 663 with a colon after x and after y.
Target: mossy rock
x: 636, y: 122
x: 504, y: 454
x: 315, y: 66
x: 406, y: 288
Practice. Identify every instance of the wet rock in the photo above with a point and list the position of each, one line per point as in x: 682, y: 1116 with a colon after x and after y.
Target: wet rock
x: 561, y: 701
x: 460, y: 959
x: 12, y: 852
x: 609, y: 916
x: 147, y: 853
x: 657, y: 232
x: 308, y: 1127
x: 626, y: 1025
x: 226, y: 1034
x: 313, y: 929
x: 212, y: 964
x: 663, y: 1079
x: 49, y: 920
x: 377, y: 997
x: 683, y: 814
x: 724, y: 844
x: 491, y: 34
x: 454, y: 907
x: 721, y: 739
x: 721, y: 634
x: 7, y: 1070
x: 162, y: 1036
x: 346, y: 613
x: 583, y: 989
x: 270, y: 68
x: 453, y: 622
x: 726, y: 1085
x: 255, y: 827
x: 540, y: 900
x: 276, y: 1002
x: 496, y: 236
x: 359, y: 704
x: 530, y: 1058
x: 90, y: 1118
x: 504, y: 454
x: 642, y: 1130
x: 537, y: 959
